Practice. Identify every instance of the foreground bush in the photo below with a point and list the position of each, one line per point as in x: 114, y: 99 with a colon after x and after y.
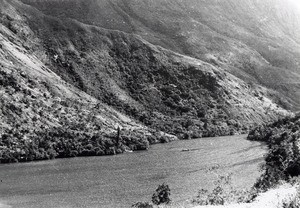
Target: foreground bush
x: 160, y: 196
x: 142, y: 205
x: 283, y: 158
x: 224, y: 193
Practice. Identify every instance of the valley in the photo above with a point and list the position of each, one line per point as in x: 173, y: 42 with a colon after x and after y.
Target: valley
x: 86, y: 78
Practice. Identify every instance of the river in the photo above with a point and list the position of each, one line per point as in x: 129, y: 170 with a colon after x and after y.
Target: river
x: 121, y: 180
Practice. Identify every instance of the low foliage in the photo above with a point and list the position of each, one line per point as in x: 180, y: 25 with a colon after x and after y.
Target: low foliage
x: 162, y: 195
x: 283, y: 158
x: 142, y: 205
x: 58, y: 142
x: 224, y: 193
x: 295, y: 201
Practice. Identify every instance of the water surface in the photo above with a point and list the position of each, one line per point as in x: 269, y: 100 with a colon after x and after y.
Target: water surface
x: 119, y: 181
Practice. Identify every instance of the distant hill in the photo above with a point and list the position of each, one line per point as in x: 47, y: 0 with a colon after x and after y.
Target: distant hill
x: 68, y: 84
x: 257, y: 41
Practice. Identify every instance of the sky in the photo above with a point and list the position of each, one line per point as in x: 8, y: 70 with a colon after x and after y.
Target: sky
x: 297, y: 3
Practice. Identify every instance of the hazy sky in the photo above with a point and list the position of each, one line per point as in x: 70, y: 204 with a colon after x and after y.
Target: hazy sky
x: 297, y: 2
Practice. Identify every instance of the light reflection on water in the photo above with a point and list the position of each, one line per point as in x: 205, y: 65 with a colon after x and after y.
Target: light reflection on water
x: 119, y: 181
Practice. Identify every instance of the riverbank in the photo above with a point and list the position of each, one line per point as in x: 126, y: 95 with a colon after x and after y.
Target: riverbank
x: 121, y: 180
x: 66, y: 143
x: 282, y: 165
x: 58, y: 142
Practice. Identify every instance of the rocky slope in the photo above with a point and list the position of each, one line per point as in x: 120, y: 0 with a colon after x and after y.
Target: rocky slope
x: 66, y: 86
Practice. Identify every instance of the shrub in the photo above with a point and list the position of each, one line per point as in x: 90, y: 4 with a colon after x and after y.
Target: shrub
x: 293, y: 202
x: 162, y: 195
x: 223, y: 193
x: 283, y: 158
x: 142, y: 205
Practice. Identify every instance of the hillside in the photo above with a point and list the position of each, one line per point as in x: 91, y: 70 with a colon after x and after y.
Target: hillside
x: 67, y: 86
x: 257, y: 41
x: 44, y: 117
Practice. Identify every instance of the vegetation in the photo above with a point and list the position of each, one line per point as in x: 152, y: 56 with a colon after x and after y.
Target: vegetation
x: 58, y: 142
x: 160, y: 196
x: 154, y: 86
x: 38, y: 123
x: 142, y: 205
x: 261, y: 51
x: 293, y: 202
x: 105, y: 79
x: 283, y: 158
x: 223, y: 193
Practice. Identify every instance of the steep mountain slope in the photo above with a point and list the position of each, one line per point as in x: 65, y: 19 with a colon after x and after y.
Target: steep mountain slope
x: 258, y: 41
x: 63, y: 85
x: 147, y: 82
x: 42, y: 116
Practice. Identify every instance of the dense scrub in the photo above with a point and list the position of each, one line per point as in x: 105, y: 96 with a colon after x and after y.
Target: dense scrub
x: 60, y: 143
x: 172, y: 97
x: 283, y: 158
x: 37, y: 125
x: 40, y: 126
